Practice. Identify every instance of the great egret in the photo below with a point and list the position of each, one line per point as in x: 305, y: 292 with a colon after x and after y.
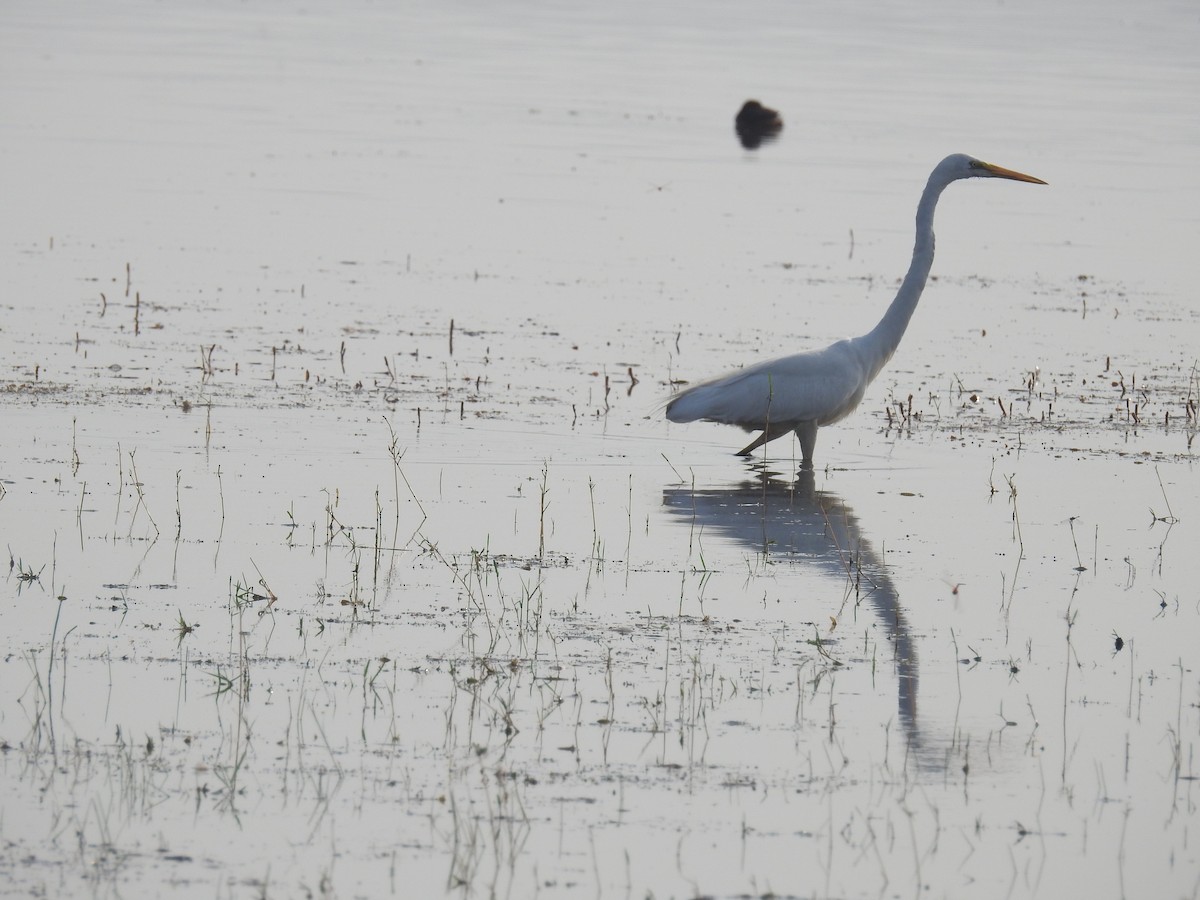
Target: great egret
x: 800, y: 393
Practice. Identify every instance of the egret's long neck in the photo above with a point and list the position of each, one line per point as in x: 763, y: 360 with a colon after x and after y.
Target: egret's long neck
x: 881, y: 342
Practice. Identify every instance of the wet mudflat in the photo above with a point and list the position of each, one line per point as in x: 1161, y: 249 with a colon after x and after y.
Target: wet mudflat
x: 349, y: 553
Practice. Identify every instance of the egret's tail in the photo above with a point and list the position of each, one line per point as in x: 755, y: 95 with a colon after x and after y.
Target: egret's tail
x: 686, y: 407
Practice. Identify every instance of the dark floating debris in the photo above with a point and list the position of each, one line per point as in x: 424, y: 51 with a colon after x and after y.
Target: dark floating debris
x: 756, y: 123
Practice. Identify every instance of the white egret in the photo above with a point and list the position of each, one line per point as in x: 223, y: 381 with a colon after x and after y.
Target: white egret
x: 801, y: 393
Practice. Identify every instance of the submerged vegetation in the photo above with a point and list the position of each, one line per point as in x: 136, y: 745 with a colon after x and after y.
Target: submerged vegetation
x: 424, y: 671
x: 350, y: 554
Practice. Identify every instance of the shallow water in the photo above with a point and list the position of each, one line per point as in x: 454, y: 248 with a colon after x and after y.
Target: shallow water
x: 351, y: 554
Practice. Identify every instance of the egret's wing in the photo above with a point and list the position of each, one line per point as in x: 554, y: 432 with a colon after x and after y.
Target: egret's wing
x: 823, y: 385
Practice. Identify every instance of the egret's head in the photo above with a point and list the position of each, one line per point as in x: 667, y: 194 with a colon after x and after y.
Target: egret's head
x: 959, y: 165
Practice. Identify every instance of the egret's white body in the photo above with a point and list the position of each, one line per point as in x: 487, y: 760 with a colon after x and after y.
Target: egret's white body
x: 801, y: 393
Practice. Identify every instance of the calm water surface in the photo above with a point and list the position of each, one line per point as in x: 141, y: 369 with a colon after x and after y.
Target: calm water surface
x: 350, y: 554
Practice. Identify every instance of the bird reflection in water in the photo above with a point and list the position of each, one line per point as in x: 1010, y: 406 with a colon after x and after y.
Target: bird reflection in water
x: 756, y: 123
x: 793, y: 522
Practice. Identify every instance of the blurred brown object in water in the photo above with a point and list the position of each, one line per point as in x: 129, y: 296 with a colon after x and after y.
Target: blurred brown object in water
x: 756, y: 123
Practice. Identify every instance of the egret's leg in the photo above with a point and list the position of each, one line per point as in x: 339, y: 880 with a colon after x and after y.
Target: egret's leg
x: 769, y: 434
x: 807, y: 432
x: 754, y: 444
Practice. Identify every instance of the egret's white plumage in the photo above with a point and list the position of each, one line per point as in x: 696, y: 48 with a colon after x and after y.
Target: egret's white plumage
x: 807, y: 390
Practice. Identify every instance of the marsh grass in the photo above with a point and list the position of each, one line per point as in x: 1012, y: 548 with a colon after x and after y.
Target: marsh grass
x: 601, y: 708
x: 25, y: 573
